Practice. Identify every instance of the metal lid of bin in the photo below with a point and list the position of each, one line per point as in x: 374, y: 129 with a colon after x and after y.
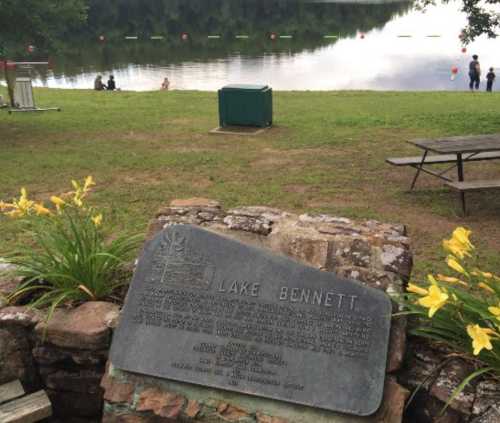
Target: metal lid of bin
x: 245, y: 87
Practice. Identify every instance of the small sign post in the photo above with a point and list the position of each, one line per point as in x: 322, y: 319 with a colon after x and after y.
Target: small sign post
x: 21, y: 89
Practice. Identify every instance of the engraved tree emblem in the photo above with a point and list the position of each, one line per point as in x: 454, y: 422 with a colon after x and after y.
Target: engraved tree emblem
x: 177, y: 262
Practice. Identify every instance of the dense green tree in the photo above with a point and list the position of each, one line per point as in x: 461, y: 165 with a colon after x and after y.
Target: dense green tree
x: 39, y: 22
x: 49, y: 23
x: 482, y: 18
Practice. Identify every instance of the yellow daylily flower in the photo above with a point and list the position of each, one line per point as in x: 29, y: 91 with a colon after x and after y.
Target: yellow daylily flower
x: 89, y: 182
x: 455, y: 265
x: 455, y: 248
x: 436, y: 299
x: 18, y: 208
x: 459, y: 244
x: 77, y: 199
x: 481, y: 338
x: 97, y: 220
x: 24, y: 205
x: 461, y: 235
x: 486, y: 287
x: 41, y: 210
x: 58, y: 201
x: 495, y: 311
x: 417, y: 289
x: 450, y: 279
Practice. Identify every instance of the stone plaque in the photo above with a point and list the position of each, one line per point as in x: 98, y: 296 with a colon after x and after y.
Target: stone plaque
x: 211, y: 311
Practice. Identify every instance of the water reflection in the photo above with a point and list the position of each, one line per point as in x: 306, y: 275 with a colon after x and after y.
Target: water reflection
x: 382, y: 60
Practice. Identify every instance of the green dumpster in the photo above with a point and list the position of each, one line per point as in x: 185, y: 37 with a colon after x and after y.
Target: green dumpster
x: 246, y: 105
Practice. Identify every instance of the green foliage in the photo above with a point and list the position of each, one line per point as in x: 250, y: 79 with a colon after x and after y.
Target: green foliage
x: 482, y: 17
x: 69, y: 259
x: 231, y: 17
x: 461, y: 310
x: 51, y: 23
x: 42, y: 23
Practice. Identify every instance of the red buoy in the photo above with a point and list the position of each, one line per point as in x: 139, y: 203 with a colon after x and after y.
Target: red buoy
x: 464, y: 50
x: 454, y: 70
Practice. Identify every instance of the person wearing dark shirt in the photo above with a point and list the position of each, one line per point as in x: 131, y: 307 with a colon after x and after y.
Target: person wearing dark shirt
x: 111, y: 83
x: 490, y: 77
x: 474, y: 73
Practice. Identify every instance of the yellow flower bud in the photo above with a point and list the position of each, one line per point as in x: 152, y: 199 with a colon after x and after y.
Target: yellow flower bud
x: 486, y: 287
x: 453, y: 264
x: 58, y: 201
x: 450, y: 279
x: 89, y: 182
x: 41, y: 210
x: 431, y: 279
x: 495, y: 311
x: 417, y: 289
x: 97, y: 220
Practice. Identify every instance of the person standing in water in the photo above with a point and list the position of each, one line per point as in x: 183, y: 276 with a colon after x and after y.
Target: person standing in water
x: 490, y: 77
x: 474, y: 73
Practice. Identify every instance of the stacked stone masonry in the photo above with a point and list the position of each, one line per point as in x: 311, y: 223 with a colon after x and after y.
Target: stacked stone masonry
x: 68, y: 356
x: 374, y: 253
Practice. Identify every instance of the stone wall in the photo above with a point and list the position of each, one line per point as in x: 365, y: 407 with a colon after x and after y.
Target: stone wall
x: 67, y: 356
x: 436, y: 372
x: 374, y: 253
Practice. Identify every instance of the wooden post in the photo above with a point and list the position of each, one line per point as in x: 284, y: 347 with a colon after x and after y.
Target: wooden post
x: 10, y: 87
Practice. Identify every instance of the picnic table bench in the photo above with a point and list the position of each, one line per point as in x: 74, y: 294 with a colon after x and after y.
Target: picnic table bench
x: 16, y: 407
x: 457, y: 151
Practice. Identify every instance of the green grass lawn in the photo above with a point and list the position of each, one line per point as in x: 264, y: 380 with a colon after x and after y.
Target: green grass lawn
x: 326, y: 154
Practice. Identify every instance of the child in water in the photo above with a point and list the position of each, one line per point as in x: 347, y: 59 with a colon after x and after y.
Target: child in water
x: 490, y: 77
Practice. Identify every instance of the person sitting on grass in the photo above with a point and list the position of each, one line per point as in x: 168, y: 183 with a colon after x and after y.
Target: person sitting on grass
x: 98, y: 85
x: 165, y: 85
x: 111, y: 83
x: 490, y: 77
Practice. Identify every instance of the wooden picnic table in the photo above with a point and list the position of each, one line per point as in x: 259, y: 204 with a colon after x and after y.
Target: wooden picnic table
x: 460, y: 145
x: 464, y: 148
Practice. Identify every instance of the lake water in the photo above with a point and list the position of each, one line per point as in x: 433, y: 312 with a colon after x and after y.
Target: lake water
x: 378, y: 47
